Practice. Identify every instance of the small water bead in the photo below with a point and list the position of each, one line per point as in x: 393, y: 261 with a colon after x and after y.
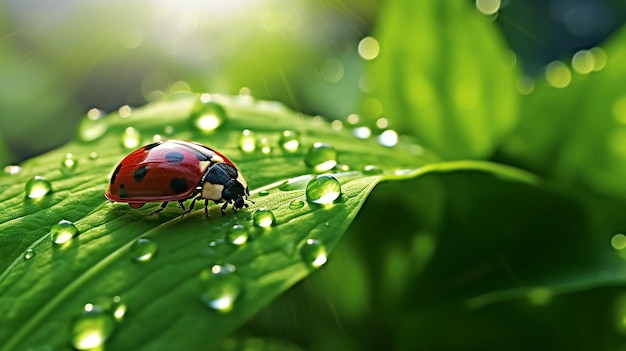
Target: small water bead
x: 93, y: 126
x: 322, y: 157
x: 313, y: 253
x: 362, y: 132
x: 289, y: 141
x: 263, y: 218
x: 143, y: 249
x: 336, y: 124
x: 388, y: 138
x: 247, y: 141
x: 238, y: 235
x: 264, y: 193
x: 382, y: 123
x: 38, y: 187
x: 168, y: 130
x: 353, y: 118
x: 372, y: 169
x: 296, y: 204
x: 68, y: 164
x: 12, y: 169
x: 119, y: 308
x: 264, y: 146
x: 207, y: 115
x: 220, y: 286
x: 93, y: 155
x: 63, y: 232
x: 340, y: 167
x: 125, y: 111
x: 29, y: 253
x: 131, y: 138
x: 92, y: 329
x: 323, y: 189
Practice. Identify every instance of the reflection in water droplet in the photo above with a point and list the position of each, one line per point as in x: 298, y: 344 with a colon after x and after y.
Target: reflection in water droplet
x: 313, y: 253
x: 131, y: 138
x: 322, y: 157
x: 362, y: 132
x: 323, y: 189
x: 247, y: 141
x: 238, y: 235
x: 207, y: 115
x: 296, y: 204
x: 220, y: 286
x: 12, y: 169
x: 68, y: 164
x: 93, y: 126
x: 92, y: 328
x: 63, y: 232
x: 388, y: 138
x: 29, y: 253
x: 119, y: 308
x: 264, y: 146
x: 38, y: 187
x: 143, y: 249
x: 289, y: 141
x: 263, y: 218
x: 372, y: 169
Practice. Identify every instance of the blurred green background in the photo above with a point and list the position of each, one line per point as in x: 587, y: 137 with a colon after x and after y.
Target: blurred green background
x: 58, y: 59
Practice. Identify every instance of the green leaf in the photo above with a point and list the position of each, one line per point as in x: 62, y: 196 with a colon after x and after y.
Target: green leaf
x: 577, y: 134
x: 45, y: 292
x: 443, y: 74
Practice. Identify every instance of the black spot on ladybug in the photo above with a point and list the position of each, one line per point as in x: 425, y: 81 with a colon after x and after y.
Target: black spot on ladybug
x: 174, y: 157
x: 123, y: 192
x: 115, y: 172
x: 178, y: 185
x: 140, y: 173
x: 151, y: 146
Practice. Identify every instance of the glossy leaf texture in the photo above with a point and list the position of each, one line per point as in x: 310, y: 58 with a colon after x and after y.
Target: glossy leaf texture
x: 576, y: 132
x: 443, y: 74
x: 159, y: 276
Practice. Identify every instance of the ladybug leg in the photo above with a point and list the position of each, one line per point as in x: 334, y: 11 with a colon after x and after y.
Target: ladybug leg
x: 224, y: 207
x: 206, y: 208
x: 182, y: 206
x: 191, y: 205
x: 163, y: 205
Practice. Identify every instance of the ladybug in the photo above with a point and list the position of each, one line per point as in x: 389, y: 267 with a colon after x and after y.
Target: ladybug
x: 177, y: 170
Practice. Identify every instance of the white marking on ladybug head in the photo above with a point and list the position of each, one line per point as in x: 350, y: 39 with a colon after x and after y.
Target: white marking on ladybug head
x: 204, y: 165
x: 212, y: 191
x: 216, y: 159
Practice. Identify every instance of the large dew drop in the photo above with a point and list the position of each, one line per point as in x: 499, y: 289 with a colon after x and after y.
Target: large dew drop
x: 131, y: 138
x: 323, y: 189
x: 63, y: 232
x: 322, y: 157
x: 313, y: 253
x: 263, y: 218
x: 92, y: 328
x: 289, y: 141
x: 38, y: 187
x: 207, y: 115
x: 68, y: 164
x: 220, y: 286
x: 238, y: 235
x: 93, y: 126
x: 143, y: 249
x: 247, y: 141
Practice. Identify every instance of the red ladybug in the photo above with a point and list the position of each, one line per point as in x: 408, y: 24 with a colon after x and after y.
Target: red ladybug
x: 176, y: 170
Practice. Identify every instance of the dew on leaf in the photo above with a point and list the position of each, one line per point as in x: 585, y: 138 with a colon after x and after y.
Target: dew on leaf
x: 220, y: 285
x: 264, y: 193
x: 323, y: 189
x: 247, y: 141
x: 313, y: 253
x: 12, y: 169
x: 362, y: 132
x: 143, y: 249
x: 289, y: 141
x: 372, y: 169
x: 68, y: 164
x: 131, y: 138
x: 322, y: 157
x: 92, y: 328
x: 29, y: 253
x: 38, y: 187
x: 388, y: 138
x: 125, y: 111
x: 263, y: 218
x: 63, y: 232
x: 207, y: 115
x: 119, y: 308
x: 264, y: 146
x: 237, y: 235
x: 93, y: 126
x: 93, y: 155
x: 296, y: 204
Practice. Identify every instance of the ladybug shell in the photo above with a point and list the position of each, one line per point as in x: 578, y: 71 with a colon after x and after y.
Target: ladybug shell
x: 163, y: 171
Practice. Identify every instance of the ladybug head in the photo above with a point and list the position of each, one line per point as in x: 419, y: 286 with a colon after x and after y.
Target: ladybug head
x: 235, y: 191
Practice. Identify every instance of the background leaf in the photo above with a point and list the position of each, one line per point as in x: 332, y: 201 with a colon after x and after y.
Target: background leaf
x: 444, y: 76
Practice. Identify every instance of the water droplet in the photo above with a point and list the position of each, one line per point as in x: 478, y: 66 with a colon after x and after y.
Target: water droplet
x: 289, y: 141
x: 371, y: 169
x: 322, y: 157
x: 296, y: 204
x: 264, y: 146
x: 63, y: 232
x: 247, y: 141
x: 68, y: 164
x: 207, y: 115
x: 340, y: 167
x: 558, y: 74
x: 29, y: 253
x: 238, y: 235
x: 323, y: 189
x: 313, y: 253
x: 143, y: 249
x: 93, y: 155
x: 92, y: 328
x: 362, y: 132
x: 119, y: 308
x: 369, y: 48
x: 382, y: 123
x: 336, y: 124
x: 263, y: 218
x: 264, y: 193
x: 168, y: 130
x: 12, y: 169
x: 131, y: 138
x: 220, y: 286
x: 388, y: 138
x: 38, y: 187
x: 125, y: 111
x: 353, y: 118
x: 93, y: 126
